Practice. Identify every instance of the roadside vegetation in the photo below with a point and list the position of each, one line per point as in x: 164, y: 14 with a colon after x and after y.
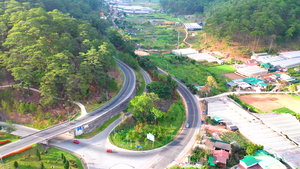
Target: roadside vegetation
x: 189, y: 71
x: 98, y: 130
x: 7, y: 136
x: 38, y: 156
x: 160, y: 112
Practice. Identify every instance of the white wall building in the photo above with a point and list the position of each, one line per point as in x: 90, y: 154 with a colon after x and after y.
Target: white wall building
x: 184, y: 52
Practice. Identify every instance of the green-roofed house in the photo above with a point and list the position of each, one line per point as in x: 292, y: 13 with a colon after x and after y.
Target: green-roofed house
x: 248, y: 162
x: 252, y: 80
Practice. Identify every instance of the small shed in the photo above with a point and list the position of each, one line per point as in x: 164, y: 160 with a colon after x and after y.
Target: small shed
x: 262, y: 84
x: 218, y: 119
x: 220, y: 158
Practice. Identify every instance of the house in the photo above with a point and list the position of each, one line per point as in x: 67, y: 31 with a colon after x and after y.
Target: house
x: 220, y: 158
x: 261, y: 160
x: 248, y: 162
x: 251, y: 62
x: 213, y: 144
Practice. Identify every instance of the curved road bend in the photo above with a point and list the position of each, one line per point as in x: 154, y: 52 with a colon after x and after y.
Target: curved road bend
x: 94, y: 150
x: 124, y: 94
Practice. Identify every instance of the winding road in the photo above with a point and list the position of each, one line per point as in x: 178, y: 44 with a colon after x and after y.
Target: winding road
x: 51, y: 132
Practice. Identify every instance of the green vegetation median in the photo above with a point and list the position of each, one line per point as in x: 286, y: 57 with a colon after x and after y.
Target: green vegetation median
x: 98, y: 130
x: 49, y: 158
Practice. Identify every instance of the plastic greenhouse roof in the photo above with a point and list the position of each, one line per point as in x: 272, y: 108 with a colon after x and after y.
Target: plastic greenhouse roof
x: 290, y: 55
x: 261, y: 133
x: 287, y: 63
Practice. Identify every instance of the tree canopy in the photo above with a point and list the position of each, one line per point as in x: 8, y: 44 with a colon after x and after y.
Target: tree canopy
x: 60, y: 54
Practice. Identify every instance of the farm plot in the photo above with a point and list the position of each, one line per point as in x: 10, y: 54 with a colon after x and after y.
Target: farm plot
x: 268, y: 102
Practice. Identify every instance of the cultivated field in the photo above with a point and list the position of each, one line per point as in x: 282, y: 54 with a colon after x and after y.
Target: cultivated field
x: 268, y: 102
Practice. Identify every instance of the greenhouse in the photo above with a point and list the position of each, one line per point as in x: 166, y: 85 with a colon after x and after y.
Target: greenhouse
x: 266, y: 132
x: 269, y: 59
x: 202, y: 56
x: 184, y: 52
x: 252, y: 71
x: 290, y: 55
x: 192, y: 26
x: 287, y: 63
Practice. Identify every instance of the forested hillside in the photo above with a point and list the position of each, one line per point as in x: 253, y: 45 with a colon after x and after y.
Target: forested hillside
x: 81, y: 9
x: 259, y: 25
x: 257, y: 21
x: 62, y: 56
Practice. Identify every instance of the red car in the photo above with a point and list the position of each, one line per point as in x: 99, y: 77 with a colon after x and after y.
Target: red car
x: 76, y: 141
x: 109, y: 150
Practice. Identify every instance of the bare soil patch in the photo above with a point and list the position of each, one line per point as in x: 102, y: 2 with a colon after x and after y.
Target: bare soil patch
x: 233, y: 76
x: 268, y: 102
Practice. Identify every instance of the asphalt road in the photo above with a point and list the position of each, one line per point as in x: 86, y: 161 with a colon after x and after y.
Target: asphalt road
x: 124, y: 94
x: 94, y: 150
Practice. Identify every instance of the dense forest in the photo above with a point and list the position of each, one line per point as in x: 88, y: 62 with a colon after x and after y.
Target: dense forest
x: 251, y: 23
x: 62, y: 56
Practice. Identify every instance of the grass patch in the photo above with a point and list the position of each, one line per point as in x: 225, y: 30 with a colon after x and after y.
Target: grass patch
x: 51, y: 158
x: 6, y: 136
x: 186, y: 70
x: 221, y: 69
x: 98, y: 130
x: 294, y: 96
x: 129, y: 134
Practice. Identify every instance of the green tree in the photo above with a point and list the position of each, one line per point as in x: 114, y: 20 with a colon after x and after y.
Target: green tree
x: 140, y: 107
x: 32, y: 107
x: 251, y: 149
x: 67, y: 164
x: 292, y: 88
x: 16, y: 165
x: 42, y: 166
x: 10, y: 128
x: 62, y: 156
x: 22, y: 108
x: 162, y: 77
x: 59, y: 117
x: 162, y: 90
x: 51, y: 120
x: 41, y: 116
x: 3, y: 103
x: 38, y: 155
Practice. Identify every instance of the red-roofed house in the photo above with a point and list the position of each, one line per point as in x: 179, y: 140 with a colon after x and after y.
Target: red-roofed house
x: 251, y: 62
x: 220, y: 158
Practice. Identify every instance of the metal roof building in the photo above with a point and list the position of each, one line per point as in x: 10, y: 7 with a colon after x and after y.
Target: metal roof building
x: 184, y: 52
x: 252, y: 71
x: 192, y: 26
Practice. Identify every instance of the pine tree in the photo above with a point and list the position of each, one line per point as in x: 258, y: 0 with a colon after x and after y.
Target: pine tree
x: 65, y: 160
x: 38, y: 155
x: 62, y: 156
x: 16, y: 165
x: 67, y: 165
x: 42, y: 166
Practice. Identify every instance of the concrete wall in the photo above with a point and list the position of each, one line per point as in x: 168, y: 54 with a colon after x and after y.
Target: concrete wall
x: 91, y: 126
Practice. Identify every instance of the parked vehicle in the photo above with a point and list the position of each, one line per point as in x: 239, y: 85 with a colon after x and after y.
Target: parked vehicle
x: 109, y: 151
x: 244, y: 86
x: 187, y: 125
